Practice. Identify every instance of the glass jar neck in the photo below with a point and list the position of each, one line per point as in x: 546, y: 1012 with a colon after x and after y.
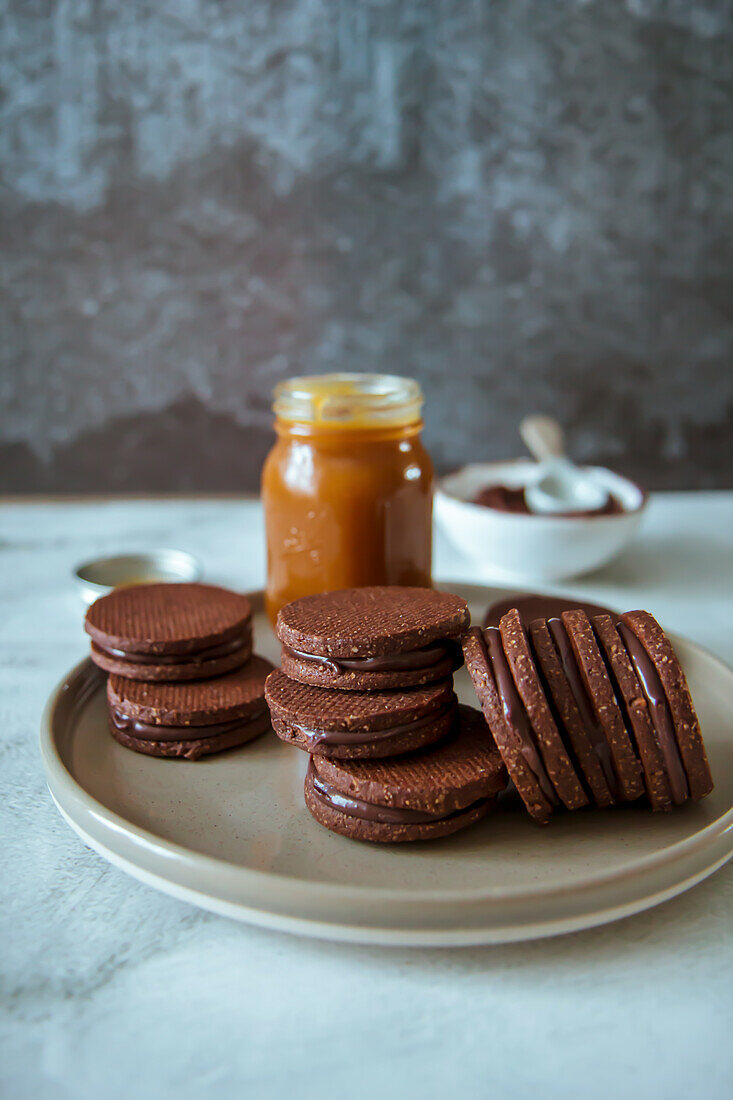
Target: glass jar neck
x: 349, y: 402
x: 341, y: 435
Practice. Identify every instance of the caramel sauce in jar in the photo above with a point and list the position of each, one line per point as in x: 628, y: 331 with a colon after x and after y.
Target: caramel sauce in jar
x: 347, y: 487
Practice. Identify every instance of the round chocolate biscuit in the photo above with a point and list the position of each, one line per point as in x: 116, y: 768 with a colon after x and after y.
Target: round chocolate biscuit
x: 556, y: 759
x: 351, y: 725
x: 168, y: 618
x: 532, y: 606
x: 434, y: 662
x: 358, y: 623
x: 238, y: 694
x: 509, y: 726
x: 191, y: 719
x: 170, y: 632
x: 686, y: 723
x: 573, y: 709
x: 418, y: 796
x: 635, y: 709
x: 600, y: 691
x: 193, y: 748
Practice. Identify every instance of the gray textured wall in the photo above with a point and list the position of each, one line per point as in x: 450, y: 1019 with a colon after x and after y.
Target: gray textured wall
x: 522, y: 204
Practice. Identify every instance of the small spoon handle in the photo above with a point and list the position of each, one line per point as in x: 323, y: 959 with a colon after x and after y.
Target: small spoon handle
x: 543, y: 437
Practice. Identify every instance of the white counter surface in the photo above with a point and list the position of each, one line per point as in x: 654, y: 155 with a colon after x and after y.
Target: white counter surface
x: 112, y: 991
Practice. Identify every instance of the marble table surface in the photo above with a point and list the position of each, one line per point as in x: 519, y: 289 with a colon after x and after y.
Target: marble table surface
x: 112, y: 990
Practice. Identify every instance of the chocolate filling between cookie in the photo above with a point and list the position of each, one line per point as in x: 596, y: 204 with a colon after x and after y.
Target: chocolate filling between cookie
x: 514, y: 711
x: 146, y: 731
x: 415, y: 660
x: 210, y: 653
x: 592, y: 726
x: 365, y: 737
x: 659, y: 712
x: 371, y: 811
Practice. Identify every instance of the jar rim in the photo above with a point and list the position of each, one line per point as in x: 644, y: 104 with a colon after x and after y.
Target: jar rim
x: 349, y: 400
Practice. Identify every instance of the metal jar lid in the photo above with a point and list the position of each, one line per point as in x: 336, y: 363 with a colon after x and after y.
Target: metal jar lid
x: 98, y: 577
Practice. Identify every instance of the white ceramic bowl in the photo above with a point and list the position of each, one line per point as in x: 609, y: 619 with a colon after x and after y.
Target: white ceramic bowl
x: 525, y: 548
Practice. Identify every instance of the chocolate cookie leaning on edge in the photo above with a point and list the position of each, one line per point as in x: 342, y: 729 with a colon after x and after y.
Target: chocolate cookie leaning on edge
x: 419, y: 796
x: 554, y: 752
x: 561, y: 679
x: 662, y: 659
x: 353, y: 725
x: 190, y: 719
x: 508, y: 722
x: 635, y: 709
x: 373, y: 638
x: 170, y: 632
x: 595, y: 676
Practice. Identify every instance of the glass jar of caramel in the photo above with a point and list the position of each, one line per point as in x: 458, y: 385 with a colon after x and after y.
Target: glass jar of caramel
x: 347, y: 487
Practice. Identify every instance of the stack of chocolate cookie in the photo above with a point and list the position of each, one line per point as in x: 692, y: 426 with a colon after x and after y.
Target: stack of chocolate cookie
x: 588, y: 711
x: 366, y: 688
x: 183, y: 681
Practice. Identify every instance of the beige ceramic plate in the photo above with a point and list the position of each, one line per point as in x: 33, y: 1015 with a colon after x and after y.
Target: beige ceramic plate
x: 231, y: 834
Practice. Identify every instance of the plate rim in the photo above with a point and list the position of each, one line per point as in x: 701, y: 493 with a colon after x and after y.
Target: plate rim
x: 61, y: 782
x: 394, y: 935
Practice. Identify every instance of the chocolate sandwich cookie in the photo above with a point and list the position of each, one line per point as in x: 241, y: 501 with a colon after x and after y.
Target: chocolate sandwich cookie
x: 418, y: 796
x: 574, y: 712
x: 170, y: 632
x: 635, y: 709
x: 552, y: 748
x: 372, y: 639
x: 350, y: 725
x: 670, y: 704
x: 508, y: 721
x: 594, y: 674
x: 190, y: 719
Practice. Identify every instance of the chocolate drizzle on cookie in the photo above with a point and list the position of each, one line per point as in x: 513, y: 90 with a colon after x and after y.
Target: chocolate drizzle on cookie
x: 414, y: 659
x: 367, y: 737
x: 194, y: 656
x: 370, y: 811
x: 147, y: 731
